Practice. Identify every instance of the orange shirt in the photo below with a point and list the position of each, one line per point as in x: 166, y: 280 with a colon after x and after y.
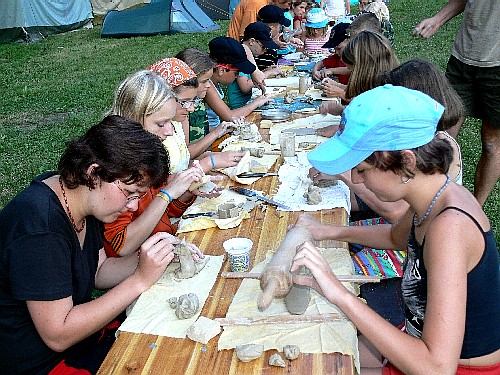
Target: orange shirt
x: 244, y: 14
x: 115, y: 233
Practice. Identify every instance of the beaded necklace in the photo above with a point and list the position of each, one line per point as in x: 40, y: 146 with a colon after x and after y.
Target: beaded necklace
x: 68, y: 210
x: 417, y: 222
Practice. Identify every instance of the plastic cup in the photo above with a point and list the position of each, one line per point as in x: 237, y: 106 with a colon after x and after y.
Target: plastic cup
x: 238, y: 253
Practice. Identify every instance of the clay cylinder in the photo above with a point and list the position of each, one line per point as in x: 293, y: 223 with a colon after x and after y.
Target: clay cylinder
x: 276, y: 278
x: 302, y: 84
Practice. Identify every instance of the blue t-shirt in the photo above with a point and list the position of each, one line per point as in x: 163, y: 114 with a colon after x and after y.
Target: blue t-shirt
x: 236, y: 97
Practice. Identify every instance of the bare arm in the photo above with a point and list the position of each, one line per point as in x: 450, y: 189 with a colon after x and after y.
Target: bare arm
x: 383, y: 236
x: 438, y: 350
x: 218, y: 105
x: 62, y: 324
x: 430, y: 26
x: 138, y: 230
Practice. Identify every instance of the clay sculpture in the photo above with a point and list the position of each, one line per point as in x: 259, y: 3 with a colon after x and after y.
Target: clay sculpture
x: 276, y: 278
x: 186, y: 306
x: 297, y: 299
x: 313, y: 195
x: 249, y: 352
x: 291, y: 352
x: 276, y: 360
x: 188, y: 266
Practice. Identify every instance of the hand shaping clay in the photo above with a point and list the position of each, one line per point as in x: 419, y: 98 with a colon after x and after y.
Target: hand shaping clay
x: 276, y: 360
x: 196, y: 185
x: 276, y: 279
x: 291, y: 351
x: 188, y: 267
x: 249, y: 352
x: 203, y: 330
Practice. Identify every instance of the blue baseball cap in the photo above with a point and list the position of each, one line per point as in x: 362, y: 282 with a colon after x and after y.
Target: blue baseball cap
x: 386, y: 118
x: 316, y: 18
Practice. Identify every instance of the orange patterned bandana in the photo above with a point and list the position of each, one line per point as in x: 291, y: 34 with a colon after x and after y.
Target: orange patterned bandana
x: 175, y: 71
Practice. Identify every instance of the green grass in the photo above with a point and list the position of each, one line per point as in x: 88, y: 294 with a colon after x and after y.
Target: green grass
x: 56, y: 89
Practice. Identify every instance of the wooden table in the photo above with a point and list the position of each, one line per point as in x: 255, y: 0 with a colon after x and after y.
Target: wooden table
x: 150, y: 354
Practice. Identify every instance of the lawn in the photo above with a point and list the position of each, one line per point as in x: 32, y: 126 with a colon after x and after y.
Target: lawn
x: 54, y: 90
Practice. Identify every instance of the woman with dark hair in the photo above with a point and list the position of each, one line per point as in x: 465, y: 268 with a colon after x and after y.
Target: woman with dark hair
x: 52, y: 256
x: 451, y: 278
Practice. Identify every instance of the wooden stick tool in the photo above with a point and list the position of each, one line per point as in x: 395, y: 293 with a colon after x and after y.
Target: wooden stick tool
x: 342, y: 278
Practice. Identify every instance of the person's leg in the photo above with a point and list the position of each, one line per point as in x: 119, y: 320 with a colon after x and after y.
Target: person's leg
x: 488, y: 167
x: 488, y: 109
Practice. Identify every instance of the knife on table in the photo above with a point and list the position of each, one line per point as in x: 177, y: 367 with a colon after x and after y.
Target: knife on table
x: 197, y: 214
x: 300, y: 131
x: 251, y: 193
x: 251, y: 175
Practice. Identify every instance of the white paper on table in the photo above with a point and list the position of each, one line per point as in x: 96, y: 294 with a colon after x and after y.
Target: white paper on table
x: 292, y: 81
x: 151, y: 312
x: 294, y: 182
x: 317, y: 121
x: 340, y: 337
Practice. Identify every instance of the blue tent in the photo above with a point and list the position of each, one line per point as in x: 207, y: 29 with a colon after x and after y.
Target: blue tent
x: 31, y: 20
x: 158, y: 17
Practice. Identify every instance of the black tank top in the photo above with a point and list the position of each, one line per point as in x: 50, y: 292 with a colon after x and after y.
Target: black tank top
x: 482, y: 323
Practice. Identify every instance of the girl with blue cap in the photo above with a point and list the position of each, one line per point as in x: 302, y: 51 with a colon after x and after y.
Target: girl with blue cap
x: 451, y: 279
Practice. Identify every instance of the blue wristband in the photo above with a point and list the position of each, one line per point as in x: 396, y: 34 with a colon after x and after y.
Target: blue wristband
x: 167, y: 194
x: 212, y: 160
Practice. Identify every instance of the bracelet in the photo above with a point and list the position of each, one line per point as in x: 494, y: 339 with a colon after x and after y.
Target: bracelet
x: 212, y: 159
x: 165, y: 195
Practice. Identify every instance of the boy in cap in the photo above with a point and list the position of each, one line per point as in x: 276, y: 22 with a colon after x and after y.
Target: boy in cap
x: 275, y: 18
x: 333, y: 65
x: 231, y: 58
x: 387, y: 142
x: 256, y: 41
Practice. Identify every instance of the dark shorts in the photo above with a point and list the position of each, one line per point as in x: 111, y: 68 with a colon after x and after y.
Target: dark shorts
x: 479, y: 89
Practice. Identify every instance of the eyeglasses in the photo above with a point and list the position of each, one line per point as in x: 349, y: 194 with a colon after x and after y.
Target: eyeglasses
x: 130, y: 199
x: 262, y: 46
x: 188, y: 103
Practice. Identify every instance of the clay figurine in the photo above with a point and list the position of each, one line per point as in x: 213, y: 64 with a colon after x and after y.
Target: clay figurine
x: 313, y: 195
x: 188, y: 266
x: 291, y: 351
x: 186, y: 306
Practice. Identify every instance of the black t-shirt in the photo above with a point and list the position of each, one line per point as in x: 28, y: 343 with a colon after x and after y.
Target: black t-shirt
x: 40, y: 260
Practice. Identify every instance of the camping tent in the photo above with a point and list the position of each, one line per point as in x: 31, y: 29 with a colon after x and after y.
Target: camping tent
x: 158, y: 17
x: 216, y: 9
x: 30, y: 20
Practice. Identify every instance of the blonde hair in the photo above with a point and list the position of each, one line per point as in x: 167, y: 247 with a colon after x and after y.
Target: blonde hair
x: 310, y: 31
x: 370, y: 54
x: 141, y: 94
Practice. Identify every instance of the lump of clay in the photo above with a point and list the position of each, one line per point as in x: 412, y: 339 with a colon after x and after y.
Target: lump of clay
x: 313, y: 195
x: 276, y: 360
x: 249, y: 352
x: 203, y: 330
x: 188, y: 266
x: 257, y: 152
x: 326, y: 182
x: 195, y: 185
x: 291, y: 351
x: 289, y: 98
x: 186, y: 306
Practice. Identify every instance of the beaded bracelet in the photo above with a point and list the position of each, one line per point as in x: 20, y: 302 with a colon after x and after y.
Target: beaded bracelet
x: 165, y: 195
x: 212, y: 159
